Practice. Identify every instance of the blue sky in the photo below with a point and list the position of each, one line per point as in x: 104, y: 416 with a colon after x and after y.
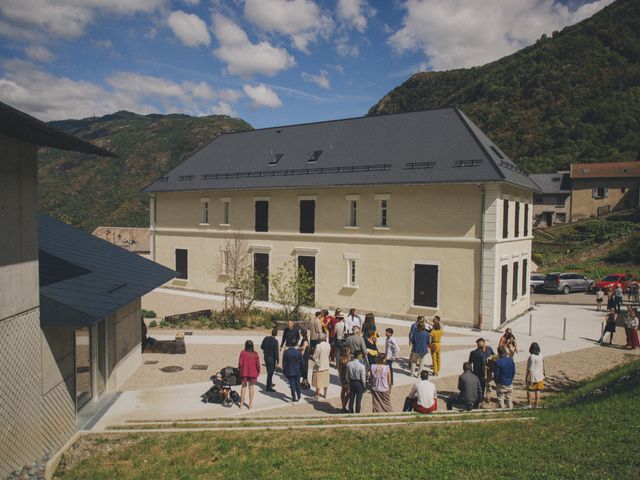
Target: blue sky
x: 270, y: 62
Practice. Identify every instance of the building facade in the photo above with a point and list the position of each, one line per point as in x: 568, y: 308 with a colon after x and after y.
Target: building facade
x: 400, y: 215
x: 552, y: 205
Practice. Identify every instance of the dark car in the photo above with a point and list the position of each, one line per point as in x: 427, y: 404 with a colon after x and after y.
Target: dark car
x: 536, y: 282
x: 567, y: 283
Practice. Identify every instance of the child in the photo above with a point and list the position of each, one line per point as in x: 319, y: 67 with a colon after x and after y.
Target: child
x: 599, y: 299
x: 391, y: 350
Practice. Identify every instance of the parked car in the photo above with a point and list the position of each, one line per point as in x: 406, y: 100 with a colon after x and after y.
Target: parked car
x: 613, y: 280
x: 567, y: 283
x: 536, y: 282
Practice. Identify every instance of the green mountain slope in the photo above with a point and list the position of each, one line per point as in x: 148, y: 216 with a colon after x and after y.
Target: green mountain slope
x: 87, y: 191
x: 572, y: 97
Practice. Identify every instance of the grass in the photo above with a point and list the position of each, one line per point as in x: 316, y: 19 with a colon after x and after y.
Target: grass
x: 591, y: 433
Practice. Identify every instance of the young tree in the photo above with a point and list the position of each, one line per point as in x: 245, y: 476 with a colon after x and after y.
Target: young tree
x: 292, y: 288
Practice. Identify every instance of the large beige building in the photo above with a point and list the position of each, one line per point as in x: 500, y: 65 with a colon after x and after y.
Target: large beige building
x: 69, y: 306
x: 405, y: 214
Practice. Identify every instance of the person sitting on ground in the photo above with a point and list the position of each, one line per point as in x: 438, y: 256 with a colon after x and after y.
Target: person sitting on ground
x: 357, y: 376
x: 356, y: 343
x: 289, y: 335
x: 609, y: 327
x: 423, y: 397
x: 343, y: 360
x: 471, y: 394
x: 504, y: 371
x: 420, y: 347
x: 381, y: 385
x: 478, y: 359
x: 391, y: 350
x: 535, y: 375
x: 249, y: 367
x: 508, y: 341
x: 292, y: 366
x: 320, y: 378
x: 269, y: 349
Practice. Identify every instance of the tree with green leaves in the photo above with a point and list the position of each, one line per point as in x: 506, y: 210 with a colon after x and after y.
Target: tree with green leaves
x: 292, y: 287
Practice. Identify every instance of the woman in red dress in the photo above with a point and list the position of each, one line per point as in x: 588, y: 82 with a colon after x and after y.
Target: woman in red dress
x: 249, y: 366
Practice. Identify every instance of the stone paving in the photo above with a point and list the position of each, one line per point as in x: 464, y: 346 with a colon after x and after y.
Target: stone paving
x: 183, y: 401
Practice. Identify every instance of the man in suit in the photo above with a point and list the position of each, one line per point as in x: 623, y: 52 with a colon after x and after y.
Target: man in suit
x: 292, y: 366
x: 269, y: 348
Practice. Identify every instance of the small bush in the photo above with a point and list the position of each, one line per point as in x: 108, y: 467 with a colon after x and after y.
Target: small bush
x: 153, y: 324
x: 148, y: 313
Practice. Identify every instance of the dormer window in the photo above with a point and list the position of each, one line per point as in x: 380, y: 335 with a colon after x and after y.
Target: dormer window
x: 275, y: 158
x: 315, y: 156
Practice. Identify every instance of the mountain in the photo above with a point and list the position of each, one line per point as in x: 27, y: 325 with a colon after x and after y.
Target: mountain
x: 87, y: 191
x: 571, y: 97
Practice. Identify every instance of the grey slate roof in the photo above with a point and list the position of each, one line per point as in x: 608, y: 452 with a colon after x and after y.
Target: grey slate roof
x: 83, y: 278
x: 17, y: 124
x: 431, y: 146
x: 553, y: 183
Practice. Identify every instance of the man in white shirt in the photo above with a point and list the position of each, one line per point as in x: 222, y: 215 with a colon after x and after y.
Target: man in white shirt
x: 352, y: 320
x: 391, y: 350
x: 423, y: 397
x: 357, y: 376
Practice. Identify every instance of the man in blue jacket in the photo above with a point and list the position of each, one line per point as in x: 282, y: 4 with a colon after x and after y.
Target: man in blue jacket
x: 270, y: 351
x: 419, y: 348
x: 503, y: 372
x: 292, y: 366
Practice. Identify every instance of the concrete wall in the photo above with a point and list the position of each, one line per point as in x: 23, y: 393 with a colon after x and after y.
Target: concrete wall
x: 21, y: 438
x: 584, y: 205
x: 430, y: 224
x: 124, y: 336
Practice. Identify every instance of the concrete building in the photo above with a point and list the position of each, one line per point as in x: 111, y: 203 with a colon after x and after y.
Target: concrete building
x: 69, y: 309
x: 553, y: 204
x: 404, y: 214
x: 600, y: 188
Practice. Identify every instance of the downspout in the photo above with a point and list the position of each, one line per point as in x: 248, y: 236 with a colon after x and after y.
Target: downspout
x: 483, y: 195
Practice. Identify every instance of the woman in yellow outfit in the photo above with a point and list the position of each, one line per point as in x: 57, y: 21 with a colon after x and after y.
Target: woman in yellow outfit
x: 434, y: 345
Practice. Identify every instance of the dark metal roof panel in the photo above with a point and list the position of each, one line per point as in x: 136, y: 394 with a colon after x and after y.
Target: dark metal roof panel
x: 19, y: 125
x: 89, y: 276
x: 433, y: 146
x: 552, y: 183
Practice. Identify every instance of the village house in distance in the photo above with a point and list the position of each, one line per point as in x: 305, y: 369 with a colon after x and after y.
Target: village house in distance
x: 402, y: 214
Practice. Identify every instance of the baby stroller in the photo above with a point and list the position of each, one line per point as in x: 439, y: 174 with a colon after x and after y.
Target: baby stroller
x: 221, y: 391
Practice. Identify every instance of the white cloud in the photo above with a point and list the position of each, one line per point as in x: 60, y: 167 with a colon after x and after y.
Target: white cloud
x: 301, y: 20
x: 189, y: 28
x: 339, y: 68
x: 354, y: 13
x: 106, y: 44
x: 38, y: 53
x: 244, y: 58
x: 262, y: 96
x: 346, y: 48
x: 465, y: 33
x: 27, y: 87
x: 321, y: 79
x: 63, y: 18
x: 229, y: 95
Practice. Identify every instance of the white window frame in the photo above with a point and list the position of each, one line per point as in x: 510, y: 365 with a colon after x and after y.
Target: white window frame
x: 436, y: 263
x: 224, y: 260
x: 352, y: 270
x: 352, y: 211
x: 204, y: 211
x: 226, y: 211
x: 383, y: 206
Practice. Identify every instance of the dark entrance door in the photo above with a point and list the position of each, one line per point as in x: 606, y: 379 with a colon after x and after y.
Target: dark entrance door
x: 261, y: 269
x: 309, y: 264
x: 548, y: 216
x: 503, y: 294
x: 425, y: 286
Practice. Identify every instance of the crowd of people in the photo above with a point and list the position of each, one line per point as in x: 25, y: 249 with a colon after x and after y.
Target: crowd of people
x: 364, y: 362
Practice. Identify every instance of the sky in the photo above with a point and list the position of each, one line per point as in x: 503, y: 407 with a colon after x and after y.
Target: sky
x: 269, y: 62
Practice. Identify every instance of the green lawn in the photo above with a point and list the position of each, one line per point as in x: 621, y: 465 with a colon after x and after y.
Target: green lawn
x: 591, y: 433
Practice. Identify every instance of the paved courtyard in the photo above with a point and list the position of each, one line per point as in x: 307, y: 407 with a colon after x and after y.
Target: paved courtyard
x: 155, y: 395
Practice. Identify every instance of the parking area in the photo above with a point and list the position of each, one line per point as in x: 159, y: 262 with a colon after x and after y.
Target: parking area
x: 576, y: 298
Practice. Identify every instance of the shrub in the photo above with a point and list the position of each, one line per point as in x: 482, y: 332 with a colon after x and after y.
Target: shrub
x: 148, y: 313
x: 153, y: 324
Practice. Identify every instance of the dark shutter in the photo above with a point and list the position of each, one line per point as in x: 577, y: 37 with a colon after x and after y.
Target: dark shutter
x: 309, y: 264
x: 514, y: 290
x: 307, y: 216
x: 517, y: 220
x: 182, y: 263
x: 505, y: 218
x: 526, y: 219
x: 525, y: 275
x: 425, y: 286
x: 261, y: 270
x: 262, y: 216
